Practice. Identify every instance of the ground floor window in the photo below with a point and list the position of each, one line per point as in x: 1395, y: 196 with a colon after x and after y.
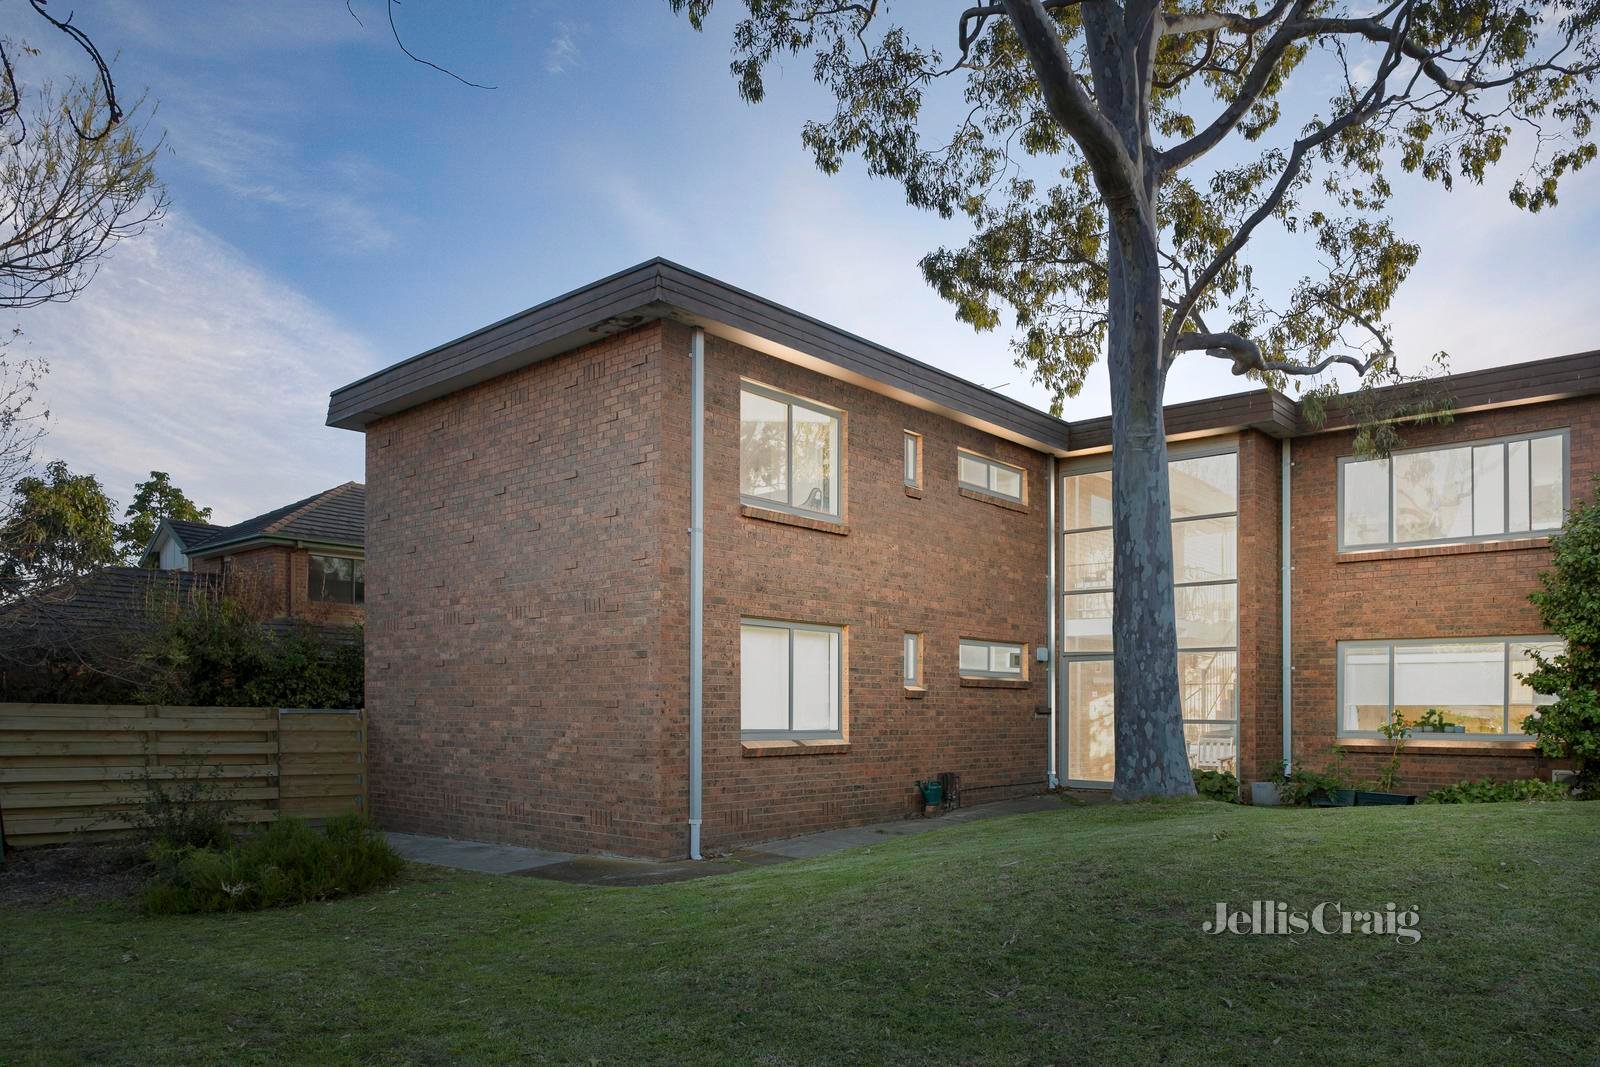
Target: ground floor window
x: 1471, y: 685
x: 790, y: 679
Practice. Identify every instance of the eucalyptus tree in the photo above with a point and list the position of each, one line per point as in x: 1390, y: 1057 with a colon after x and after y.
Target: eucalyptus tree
x: 1115, y: 160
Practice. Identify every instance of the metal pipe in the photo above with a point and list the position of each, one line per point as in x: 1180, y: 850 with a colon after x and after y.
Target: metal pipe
x: 1052, y: 767
x: 697, y: 607
x: 1285, y: 607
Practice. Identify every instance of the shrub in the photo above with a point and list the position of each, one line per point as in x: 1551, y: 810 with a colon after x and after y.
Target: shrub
x: 1569, y: 603
x: 1217, y: 785
x: 1488, y: 791
x: 288, y: 863
x: 190, y: 811
x: 1304, y: 784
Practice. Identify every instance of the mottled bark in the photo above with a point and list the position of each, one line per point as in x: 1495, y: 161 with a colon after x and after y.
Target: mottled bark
x: 1151, y: 757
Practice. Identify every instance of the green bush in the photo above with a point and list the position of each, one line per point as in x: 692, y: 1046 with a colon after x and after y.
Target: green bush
x: 190, y: 811
x: 288, y: 863
x: 1569, y: 604
x: 1217, y: 785
x: 218, y: 653
x: 1488, y: 791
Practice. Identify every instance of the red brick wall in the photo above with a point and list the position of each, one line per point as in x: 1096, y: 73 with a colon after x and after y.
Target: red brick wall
x: 514, y: 583
x: 1464, y: 591
x: 277, y: 579
x: 1260, y: 607
x: 944, y: 565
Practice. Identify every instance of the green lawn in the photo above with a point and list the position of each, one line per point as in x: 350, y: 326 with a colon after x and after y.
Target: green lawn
x: 1070, y: 936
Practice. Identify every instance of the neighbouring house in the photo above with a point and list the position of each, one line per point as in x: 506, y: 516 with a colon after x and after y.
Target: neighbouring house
x: 661, y: 563
x: 172, y: 542
x: 304, y: 560
x: 301, y: 564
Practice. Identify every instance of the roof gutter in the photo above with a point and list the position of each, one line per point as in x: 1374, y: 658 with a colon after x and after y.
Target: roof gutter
x: 214, y: 548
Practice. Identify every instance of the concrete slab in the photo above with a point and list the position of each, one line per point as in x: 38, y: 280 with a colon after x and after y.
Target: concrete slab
x: 621, y: 871
x: 478, y: 856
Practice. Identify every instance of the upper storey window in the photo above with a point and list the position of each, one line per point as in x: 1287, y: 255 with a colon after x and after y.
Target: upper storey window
x: 989, y: 475
x: 789, y: 455
x: 1514, y: 486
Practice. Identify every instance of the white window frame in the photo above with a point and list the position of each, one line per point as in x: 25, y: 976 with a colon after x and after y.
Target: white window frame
x: 1507, y: 533
x: 989, y: 647
x: 912, y: 461
x: 1099, y: 465
x: 791, y: 733
x: 990, y: 466
x: 911, y: 660
x: 1505, y: 644
x: 791, y: 402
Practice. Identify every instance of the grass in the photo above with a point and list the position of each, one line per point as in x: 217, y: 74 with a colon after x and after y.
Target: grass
x: 1062, y: 936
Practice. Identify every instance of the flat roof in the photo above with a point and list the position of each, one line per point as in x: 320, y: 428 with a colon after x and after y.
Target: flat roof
x: 660, y: 289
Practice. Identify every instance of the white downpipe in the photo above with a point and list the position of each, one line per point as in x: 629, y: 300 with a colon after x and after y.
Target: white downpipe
x: 697, y: 563
x: 1052, y: 767
x: 1286, y: 655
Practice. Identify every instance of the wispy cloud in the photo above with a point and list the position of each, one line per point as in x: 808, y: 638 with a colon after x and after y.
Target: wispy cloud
x: 183, y: 357
x: 336, y: 195
x: 563, y: 53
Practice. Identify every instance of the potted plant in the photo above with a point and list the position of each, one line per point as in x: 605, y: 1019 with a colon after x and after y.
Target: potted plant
x: 1327, y: 789
x: 1397, y: 731
x: 1434, y: 722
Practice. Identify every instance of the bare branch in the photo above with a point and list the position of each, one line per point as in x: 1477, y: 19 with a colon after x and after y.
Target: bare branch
x: 102, y: 71
x: 395, y: 30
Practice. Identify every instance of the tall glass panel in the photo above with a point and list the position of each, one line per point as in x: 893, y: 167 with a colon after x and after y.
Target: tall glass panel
x: 763, y: 447
x: 1365, y: 503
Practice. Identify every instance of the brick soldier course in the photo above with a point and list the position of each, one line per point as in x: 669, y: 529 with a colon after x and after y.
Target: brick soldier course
x: 527, y: 568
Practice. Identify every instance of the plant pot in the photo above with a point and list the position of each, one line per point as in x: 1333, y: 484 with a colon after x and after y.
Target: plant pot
x: 1368, y: 798
x: 1264, y: 795
x: 1332, y: 798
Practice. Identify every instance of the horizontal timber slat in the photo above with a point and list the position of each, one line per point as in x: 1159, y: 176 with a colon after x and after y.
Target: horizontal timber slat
x: 78, y: 771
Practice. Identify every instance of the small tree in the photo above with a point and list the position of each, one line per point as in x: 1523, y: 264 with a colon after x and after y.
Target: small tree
x: 59, y: 526
x: 153, y: 500
x: 1569, y: 603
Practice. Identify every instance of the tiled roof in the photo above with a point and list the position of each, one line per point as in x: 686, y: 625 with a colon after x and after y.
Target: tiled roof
x: 76, y: 615
x: 336, y: 516
x: 193, y: 533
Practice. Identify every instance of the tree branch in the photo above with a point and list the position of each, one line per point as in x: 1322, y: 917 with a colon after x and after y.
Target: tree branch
x: 1246, y: 355
x: 1114, y: 170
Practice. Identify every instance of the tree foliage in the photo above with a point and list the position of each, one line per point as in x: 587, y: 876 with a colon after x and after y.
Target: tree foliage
x: 59, y: 525
x: 1076, y: 119
x: 154, y: 499
x: 22, y: 416
x: 216, y: 652
x: 1569, y: 603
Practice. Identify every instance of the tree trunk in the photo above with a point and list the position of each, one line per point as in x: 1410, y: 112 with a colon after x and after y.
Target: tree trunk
x: 1151, y: 757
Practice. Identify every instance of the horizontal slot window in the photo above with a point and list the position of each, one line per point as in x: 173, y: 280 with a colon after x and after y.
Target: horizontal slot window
x: 990, y: 659
x: 989, y: 475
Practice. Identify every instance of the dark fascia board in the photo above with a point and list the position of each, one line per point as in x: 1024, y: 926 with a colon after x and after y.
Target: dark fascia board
x: 660, y: 289
x: 1260, y: 409
x: 1536, y: 382
x: 240, y: 544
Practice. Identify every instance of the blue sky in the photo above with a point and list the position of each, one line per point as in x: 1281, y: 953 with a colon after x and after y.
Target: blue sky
x: 337, y: 207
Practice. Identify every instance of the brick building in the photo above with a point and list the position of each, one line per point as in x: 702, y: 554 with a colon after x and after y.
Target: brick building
x: 660, y: 506
x: 304, y: 560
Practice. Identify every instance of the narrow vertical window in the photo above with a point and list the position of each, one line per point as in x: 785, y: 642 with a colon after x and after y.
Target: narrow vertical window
x: 913, y: 459
x: 912, y: 672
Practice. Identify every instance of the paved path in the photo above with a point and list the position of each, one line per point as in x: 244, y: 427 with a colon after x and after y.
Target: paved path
x: 488, y: 858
